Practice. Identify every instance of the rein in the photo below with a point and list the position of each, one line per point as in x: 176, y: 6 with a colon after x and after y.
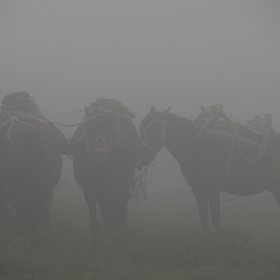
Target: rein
x: 81, y: 122
x: 161, y: 141
x: 65, y: 125
x: 96, y: 149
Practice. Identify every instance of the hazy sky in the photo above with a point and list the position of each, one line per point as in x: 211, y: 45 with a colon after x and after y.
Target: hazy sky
x: 167, y: 53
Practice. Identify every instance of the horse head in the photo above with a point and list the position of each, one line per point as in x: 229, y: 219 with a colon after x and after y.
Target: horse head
x: 99, y: 133
x: 152, y: 134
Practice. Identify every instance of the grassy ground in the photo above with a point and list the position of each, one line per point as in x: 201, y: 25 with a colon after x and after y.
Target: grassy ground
x: 139, y: 252
x: 157, y: 244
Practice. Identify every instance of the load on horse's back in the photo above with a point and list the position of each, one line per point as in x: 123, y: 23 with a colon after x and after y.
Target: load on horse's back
x: 256, y: 135
x: 217, y: 154
x: 254, y: 140
x: 124, y: 135
x: 31, y: 158
x: 106, y: 150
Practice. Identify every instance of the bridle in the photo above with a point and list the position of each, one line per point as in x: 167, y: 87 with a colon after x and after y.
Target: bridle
x: 99, y: 138
x: 145, y: 143
x: 96, y: 149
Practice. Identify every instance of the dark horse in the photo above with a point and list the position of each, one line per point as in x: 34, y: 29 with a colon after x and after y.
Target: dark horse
x: 203, y: 163
x: 103, y: 170
x: 31, y: 160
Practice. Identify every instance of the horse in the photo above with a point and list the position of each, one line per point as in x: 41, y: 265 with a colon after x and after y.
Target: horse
x: 103, y: 169
x: 5, y: 203
x: 31, y: 151
x: 204, y: 163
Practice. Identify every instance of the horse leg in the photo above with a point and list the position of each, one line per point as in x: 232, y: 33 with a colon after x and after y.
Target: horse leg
x: 123, y: 211
x: 47, y: 205
x: 108, y: 217
x: 20, y: 216
x: 276, y: 194
x: 39, y: 205
x: 93, y: 223
x: 123, y: 215
x: 202, y: 203
x: 214, y: 202
x: 34, y: 204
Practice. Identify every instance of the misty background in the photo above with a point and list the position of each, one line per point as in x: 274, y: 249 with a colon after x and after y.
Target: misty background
x: 181, y: 54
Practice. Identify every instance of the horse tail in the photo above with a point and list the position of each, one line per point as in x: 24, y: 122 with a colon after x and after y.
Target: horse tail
x: 33, y: 187
x: 33, y: 157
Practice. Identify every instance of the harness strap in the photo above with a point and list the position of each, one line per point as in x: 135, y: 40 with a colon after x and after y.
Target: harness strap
x: 13, y: 119
x: 230, y: 159
x: 204, y: 127
x: 162, y: 136
x: 265, y: 141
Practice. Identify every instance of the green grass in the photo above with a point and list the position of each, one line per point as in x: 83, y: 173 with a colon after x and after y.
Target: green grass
x: 155, y: 245
x: 139, y: 252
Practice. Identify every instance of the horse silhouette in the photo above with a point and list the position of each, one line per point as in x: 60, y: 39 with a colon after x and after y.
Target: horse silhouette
x: 103, y: 168
x: 204, y: 163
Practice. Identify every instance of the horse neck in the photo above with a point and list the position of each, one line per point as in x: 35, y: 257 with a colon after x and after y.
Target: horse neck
x: 178, y: 130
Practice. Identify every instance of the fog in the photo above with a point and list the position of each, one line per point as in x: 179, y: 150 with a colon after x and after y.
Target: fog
x: 181, y: 54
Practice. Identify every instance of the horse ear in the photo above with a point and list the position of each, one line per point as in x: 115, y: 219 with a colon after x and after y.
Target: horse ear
x: 87, y: 114
x: 166, y: 111
x: 153, y: 110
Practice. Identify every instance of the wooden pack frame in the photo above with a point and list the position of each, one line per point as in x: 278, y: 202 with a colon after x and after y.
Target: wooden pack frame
x: 214, y: 121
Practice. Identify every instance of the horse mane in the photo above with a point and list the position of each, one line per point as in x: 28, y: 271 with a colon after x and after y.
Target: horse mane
x: 176, y: 124
x: 180, y: 124
x: 141, y: 123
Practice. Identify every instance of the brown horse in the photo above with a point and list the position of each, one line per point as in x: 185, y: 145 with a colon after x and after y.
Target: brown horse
x: 5, y: 203
x: 204, y: 163
x: 103, y: 169
x: 31, y: 159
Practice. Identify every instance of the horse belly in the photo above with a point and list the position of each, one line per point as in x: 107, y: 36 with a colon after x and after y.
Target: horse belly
x: 214, y: 168
x: 249, y: 178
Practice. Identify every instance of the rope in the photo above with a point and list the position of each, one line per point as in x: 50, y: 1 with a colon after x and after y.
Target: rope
x: 13, y: 119
x: 233, y: 124
x: 239, y: 147
x: 242, y: 154
x: 142, y: 182
x: 73, y: 125
x: 35, y: 112
x: 161, y: 141
x: 251, y: 160
x: 208, y: 160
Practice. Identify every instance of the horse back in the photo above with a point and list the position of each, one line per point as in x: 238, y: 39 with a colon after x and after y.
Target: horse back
x: 28, y: 148
x: 231, y: 166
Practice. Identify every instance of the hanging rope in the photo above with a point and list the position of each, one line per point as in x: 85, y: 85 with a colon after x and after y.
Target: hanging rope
x: 13, y: 120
